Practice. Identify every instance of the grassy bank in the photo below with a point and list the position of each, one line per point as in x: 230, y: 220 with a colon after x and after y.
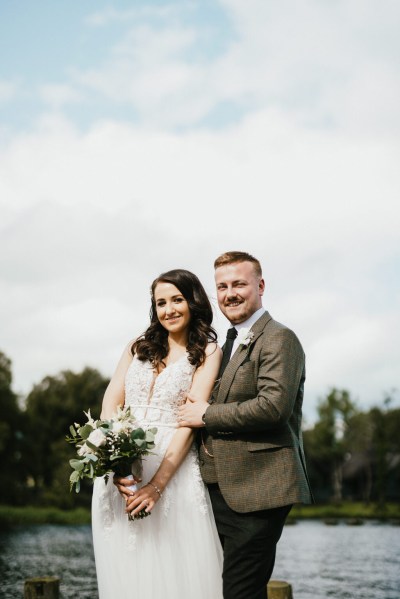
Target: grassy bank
x: 347, y: 510
x: 10, y: 516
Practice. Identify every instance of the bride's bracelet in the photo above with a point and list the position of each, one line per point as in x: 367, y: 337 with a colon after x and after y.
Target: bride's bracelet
x: 156, y: 488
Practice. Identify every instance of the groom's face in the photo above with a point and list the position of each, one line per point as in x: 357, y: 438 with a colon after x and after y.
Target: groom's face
x: 239, y: 291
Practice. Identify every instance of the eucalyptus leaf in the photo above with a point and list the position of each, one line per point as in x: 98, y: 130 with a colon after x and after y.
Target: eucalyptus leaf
x: 85, y: 430
x: 76, y: 464
x: 92, y: 457
x: 138, y: 433
x: 74, y: 476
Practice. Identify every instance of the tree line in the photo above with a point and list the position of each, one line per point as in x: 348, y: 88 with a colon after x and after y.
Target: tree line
x: 351, y: 454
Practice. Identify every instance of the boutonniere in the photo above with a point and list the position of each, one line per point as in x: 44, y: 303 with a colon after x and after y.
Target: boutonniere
x: 245, y: 336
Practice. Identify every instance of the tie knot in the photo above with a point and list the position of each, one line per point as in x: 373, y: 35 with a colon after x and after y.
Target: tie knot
x: 231, y: 333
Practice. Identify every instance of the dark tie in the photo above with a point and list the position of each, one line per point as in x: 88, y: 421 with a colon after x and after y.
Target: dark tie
x: 230, y: 338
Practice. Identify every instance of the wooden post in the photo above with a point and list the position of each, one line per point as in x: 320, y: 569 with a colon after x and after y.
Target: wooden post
x: 278, y: 589
x: 42, y: 587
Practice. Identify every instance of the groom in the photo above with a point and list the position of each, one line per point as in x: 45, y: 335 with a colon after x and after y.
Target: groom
x: 251, y: 454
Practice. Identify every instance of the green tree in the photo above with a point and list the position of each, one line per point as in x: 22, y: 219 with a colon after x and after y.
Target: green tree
x: 393, y: 456
x: 359, y: 443
x: 51, y: 407
x: 12, y: 470
x: 354, y: 453
x: 325, y: 444
x: 386, y: 447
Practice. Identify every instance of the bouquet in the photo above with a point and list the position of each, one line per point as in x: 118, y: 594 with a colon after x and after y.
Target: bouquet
x: 109, y: 446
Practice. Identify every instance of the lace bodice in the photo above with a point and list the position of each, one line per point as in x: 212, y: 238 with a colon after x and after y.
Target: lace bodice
x: 155, y: 401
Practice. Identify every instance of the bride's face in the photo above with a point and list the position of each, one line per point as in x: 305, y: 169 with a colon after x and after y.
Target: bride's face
x: 171, y: 307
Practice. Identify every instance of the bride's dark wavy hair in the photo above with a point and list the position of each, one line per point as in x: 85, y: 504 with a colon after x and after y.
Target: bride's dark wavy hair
x: 153, y: 344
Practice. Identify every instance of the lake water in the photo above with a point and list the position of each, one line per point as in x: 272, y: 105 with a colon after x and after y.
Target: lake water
x: 320, y: 561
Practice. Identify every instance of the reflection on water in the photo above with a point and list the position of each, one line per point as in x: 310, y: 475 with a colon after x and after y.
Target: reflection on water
x: 64, y: 551
x: 321, y: 562
x: 343, y: 562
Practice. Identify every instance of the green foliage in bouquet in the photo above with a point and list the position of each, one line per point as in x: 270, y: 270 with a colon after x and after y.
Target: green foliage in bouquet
x: 105, y: 446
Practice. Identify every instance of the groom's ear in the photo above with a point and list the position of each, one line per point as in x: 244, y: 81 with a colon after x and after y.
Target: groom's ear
x: 261, y: 286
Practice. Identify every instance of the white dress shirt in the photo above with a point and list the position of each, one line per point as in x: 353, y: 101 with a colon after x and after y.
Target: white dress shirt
x: 246, y: 324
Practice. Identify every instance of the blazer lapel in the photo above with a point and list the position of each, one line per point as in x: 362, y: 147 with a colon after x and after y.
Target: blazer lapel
x: 239, y: 357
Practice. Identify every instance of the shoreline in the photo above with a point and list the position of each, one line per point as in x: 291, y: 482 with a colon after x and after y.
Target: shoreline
x: 352, y: 513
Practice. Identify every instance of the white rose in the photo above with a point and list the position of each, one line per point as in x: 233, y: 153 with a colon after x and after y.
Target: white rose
x: 245, y: 336
x: 97, y: 437
x: 117, y: 427
x: 242, y: 334
x: 84, y: 449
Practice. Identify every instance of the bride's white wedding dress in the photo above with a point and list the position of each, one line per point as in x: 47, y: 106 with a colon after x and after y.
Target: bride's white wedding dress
x: 175, y: 553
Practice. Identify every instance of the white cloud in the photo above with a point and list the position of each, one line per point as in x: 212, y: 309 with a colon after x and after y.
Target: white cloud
x: 58, y: 95
x: 112, y: 15
x: 8, y: 91
x: 330, y: 65
x: 356, y: 346
x: 146, y: 70
x: 96, y: 216
x: 107, y: 15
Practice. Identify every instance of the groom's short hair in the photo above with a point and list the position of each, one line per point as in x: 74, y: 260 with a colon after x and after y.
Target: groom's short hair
x: 234, y: 257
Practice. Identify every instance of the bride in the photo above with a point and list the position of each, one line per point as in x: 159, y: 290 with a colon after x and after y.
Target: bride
x: 175, y: 553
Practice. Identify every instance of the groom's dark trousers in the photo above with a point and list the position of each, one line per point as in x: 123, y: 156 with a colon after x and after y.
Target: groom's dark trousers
x: 249, y: 543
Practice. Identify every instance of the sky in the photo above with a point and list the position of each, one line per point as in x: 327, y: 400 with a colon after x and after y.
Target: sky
x: 141, y: 136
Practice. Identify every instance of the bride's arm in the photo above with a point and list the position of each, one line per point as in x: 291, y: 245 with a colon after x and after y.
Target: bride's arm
x: 114, y: 395
x: 202, y: 385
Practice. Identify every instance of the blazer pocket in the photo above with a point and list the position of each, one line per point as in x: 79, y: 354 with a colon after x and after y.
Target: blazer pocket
x: 244, y: 383
x: 268, y: 445
x: 247, y: 366
x: 246, y: 373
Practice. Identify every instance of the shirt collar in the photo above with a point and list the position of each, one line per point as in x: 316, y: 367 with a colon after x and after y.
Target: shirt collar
x: 246, y: 324
x: 250, y: 321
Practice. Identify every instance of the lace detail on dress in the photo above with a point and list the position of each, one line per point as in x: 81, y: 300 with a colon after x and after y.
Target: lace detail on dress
x: 105, y: 504
x: 198, y: 488
x: 195, y: 494
x: 158, y: 403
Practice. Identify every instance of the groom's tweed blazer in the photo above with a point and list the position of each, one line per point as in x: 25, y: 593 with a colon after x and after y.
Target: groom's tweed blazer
x: 254, y: 422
